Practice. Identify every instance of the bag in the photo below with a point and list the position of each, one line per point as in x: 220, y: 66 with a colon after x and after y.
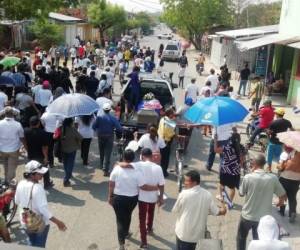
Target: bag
x: 34, y: 222
x: 57, y: 133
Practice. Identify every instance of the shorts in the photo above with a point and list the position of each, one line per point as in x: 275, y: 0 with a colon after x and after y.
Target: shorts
x: 273, y: 152
x: 231, y: 181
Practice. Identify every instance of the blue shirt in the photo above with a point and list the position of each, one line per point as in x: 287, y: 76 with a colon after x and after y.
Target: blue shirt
x: 134, y: 82
x: 19, y: 79
x: 105, y: 125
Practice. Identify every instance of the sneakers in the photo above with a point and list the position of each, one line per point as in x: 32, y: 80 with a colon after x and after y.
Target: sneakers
x: 67, y: 184
x: 144, y: 246
x: 121, y: 247
x: 292, y: 218
x: 106, y: 174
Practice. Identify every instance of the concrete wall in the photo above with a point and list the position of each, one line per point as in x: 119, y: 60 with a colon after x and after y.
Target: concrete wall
x: 289, y: 19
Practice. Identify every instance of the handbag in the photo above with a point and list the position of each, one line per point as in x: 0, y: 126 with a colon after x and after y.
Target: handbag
x: 34, y: 222
x: 57, y: 133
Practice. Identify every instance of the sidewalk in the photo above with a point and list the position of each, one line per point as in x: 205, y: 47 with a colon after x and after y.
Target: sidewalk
x: 226, y: 228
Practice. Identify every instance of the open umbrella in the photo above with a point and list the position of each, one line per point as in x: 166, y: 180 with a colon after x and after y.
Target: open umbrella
x: 291, y: 139
x: 5, y: 80
x: 216, y: 111
x: 10, y: 61
x: 71, y: 105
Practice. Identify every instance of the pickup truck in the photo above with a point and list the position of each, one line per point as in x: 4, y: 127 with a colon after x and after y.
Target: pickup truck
x: 161, y: 87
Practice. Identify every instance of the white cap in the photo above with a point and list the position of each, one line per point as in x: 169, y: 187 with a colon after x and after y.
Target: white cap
x: 35, y: 167
x: 106, y: 106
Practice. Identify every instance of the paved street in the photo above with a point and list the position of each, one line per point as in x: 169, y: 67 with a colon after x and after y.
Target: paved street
x: 91, y: 221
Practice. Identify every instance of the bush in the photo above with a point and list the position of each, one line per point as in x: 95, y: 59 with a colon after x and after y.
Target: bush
x: 47, y: 33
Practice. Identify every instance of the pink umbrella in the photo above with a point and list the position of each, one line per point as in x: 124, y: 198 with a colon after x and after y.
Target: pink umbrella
x: 186, y: 44
x: 291, y: 139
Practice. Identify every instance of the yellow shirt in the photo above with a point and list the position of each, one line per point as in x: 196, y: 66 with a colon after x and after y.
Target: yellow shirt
x: 166, y: 128
x: 127, y: 54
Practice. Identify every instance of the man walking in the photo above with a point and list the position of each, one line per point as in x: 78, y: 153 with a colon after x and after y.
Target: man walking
x: 257, y: 93
x: 154, y: 177
x: 213, y: 78
x: 11, y: 139
x: 244, y: 76
x: 258, y: 188
x: 277, y: 126
x: 193, y: 206
x: 37, y: 143
x: 104, y: 127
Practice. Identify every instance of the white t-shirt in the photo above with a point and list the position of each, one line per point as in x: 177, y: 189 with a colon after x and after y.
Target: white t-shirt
x: 36, y: 90
x: 10, y: 133
x: 268, y: 245
x: 224, y: 132
x: 127, y: 181
x: 153, y: 175
x: 146, y: 142
x: 39, y: 202
x: 73, y: 52
x: 192, y: 91
x: 204, y: 90
x: 3, y: 100
x: 84, y: 130
x: 45, y: 95
x: 50, y: 121
x: 214, y: 81
x: 101, y: 100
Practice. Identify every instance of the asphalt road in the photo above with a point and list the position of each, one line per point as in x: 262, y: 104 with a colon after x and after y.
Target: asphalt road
x: 91, y: 220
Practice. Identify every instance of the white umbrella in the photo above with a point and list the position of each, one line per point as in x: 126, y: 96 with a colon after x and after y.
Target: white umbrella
x: 71, y: 105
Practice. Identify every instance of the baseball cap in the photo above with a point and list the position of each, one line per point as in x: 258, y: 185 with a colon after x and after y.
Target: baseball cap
x: 35, y: 167
x: 280, y: 111
x: 106, y: 106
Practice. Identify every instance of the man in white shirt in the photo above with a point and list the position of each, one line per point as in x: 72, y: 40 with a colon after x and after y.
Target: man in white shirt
x: 214, y: 80
x: 105, y: 98
x: 193, y: 206
x: 192, y: 90
x: 45, y: 95
x: 3, y: 99
x: 153, y: 176
x: 73, y: 54
x: 11, y: 139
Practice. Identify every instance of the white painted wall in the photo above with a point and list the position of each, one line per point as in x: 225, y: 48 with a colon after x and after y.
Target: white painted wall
x: 289, y: 19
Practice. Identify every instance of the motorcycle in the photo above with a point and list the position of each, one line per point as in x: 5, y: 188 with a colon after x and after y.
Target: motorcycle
x: 262, y: 139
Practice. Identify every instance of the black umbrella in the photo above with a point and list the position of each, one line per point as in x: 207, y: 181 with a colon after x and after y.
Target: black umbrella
x: 5, y: 80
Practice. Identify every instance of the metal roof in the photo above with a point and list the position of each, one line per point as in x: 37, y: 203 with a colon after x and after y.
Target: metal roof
x: 295, y: 45
x: 64, y: 18
x: 266, y: 40
x: 254, y: 31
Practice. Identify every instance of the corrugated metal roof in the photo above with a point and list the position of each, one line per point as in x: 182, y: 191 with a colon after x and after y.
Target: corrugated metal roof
x: 266, y: 40
x: 254, y: 31
x: 64, y: 18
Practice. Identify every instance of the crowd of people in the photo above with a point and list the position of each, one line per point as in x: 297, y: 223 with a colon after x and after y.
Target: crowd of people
x: 28, y: 126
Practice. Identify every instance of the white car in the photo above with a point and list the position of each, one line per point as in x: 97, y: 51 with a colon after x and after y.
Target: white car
x: 168, y: 36
x: 171, y: 51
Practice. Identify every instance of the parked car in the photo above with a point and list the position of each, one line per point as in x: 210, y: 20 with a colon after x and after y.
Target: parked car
x: 168, y: 36
x: 171, y: 51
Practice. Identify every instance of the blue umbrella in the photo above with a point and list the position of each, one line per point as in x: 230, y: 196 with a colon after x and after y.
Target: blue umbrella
x: 71, y: 105
x: 216, y: 111
x: 5, y: 80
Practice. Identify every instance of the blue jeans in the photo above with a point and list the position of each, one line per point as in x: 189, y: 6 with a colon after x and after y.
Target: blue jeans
x: 68, y: 161
x: 212, y: 154
x: 273, y: 152
x: 183, y: 245
x: 39, y: 239
x: 243, y: 84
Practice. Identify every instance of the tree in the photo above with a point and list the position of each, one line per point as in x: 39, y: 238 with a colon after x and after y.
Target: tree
x: 26, y: 9
x: 104, y: 16
x: 260, y: 15
x: 47, y: 33
x: 194, y: 17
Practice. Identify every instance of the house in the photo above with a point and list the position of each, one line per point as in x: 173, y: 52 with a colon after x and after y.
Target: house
x: 283, y: 51
x: 73, y: 27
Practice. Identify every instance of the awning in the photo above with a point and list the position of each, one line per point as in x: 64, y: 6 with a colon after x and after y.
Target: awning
x: 248, y: 32
x: 266, y: 40
x: 295, y: 45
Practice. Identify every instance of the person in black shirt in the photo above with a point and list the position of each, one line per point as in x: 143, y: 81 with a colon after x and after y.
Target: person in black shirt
x: 37, y: 146
x: 244, y: 76
x: 183, y: 61
x: 277, y: 126
x: 91, y: 85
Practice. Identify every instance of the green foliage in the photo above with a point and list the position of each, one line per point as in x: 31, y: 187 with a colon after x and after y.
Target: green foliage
x: 260, y: 15
x: 194, y: 17
x: 104, y: 16
x: 26, y: 9
x: 47, y: 33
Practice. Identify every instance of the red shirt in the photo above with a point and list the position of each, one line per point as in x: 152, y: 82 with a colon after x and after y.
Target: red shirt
x: 266, y: 116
